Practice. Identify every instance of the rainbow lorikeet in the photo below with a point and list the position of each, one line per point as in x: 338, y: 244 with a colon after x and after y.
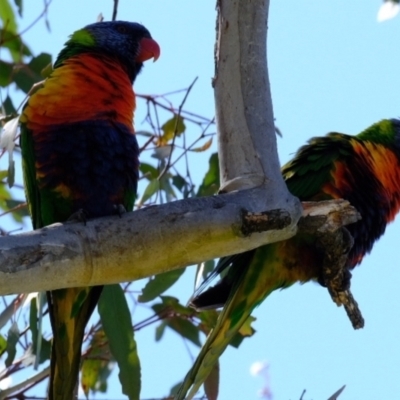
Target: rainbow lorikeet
x: 80, y: 156
x: 362, y: 169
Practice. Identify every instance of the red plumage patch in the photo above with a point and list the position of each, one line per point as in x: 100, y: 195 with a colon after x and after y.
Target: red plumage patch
x: 83, y: 88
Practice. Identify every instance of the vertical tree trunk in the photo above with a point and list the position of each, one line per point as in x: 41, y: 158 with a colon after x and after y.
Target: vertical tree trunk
x: 244, y: 112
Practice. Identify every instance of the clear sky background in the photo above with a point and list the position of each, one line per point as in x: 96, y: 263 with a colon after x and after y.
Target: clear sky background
x: 332, y: 68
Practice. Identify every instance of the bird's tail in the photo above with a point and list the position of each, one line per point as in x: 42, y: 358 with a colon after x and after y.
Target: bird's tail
x: 251, y: 285
x: 70, y: 310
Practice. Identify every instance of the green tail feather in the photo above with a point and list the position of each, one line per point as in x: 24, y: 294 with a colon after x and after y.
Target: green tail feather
x: 251, y: 286
x: 70, y: 310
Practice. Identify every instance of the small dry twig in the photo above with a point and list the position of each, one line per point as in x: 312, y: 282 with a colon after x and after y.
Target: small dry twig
x: 115, y: 10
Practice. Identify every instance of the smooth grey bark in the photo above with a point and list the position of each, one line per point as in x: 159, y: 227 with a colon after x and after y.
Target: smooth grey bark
x: 244, y: 113
x: 139, y: 244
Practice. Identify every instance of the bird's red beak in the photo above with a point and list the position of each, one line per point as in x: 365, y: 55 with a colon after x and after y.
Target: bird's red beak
x: 149, y: 48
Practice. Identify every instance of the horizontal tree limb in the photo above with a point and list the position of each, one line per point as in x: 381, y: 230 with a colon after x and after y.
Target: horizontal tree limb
x: 139, y: 244
x: 142, y: 243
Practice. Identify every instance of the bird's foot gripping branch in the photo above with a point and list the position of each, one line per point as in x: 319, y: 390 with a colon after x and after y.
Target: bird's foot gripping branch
x: 335, y: 243
x: 325, y: 220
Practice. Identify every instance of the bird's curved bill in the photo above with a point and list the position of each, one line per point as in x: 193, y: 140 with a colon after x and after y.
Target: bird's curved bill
x: 149, y: 48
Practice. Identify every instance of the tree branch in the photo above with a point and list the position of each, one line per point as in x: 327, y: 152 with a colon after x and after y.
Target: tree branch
x: 144, y: 242
x: 247, y: 140
x: 246, y: 133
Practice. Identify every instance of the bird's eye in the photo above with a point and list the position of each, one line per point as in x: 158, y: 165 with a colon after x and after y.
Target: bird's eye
x: 122, y: 29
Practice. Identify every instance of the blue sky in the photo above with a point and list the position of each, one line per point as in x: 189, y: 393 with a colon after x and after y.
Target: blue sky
x: 332, y: 68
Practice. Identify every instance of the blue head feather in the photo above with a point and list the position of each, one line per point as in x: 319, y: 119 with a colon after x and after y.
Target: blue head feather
x: 115, y: 39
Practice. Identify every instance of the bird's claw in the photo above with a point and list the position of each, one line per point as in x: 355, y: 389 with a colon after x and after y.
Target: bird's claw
x: 78, y: 216
x: 119, y: 209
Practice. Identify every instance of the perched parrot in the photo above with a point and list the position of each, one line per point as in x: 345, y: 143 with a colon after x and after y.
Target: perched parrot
x: 363, y: 169
x: 80, y: 157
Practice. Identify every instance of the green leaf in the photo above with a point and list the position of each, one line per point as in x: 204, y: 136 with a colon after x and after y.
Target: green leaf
x: 177, y: 318
x: 184, y: 186
x: 98, y: 365
x: 90, y: 374
x: 150, y: 190
x: 185, y: 328
x: 20, y: 212
x: 148, y: 171
x: 204, y: 147
x: 7, y: 16
x: 24, y: 78
x: 45, y: 347
x: 95, y: 373
x: 14, y: 44
x: 117, y: 324
x: 8, y: 106
x: 159, y: 284
x: 179, y: 182
x: 211, y: 383
x: 27, y: 75
x: 165, y: 185
x: 6, y: 70
x: 11, y: 174
x: 174, y: 126
x: 210, y: 184
x: 33, y: 320
x: 47, y: 70
x: 18, y: 3
x: 12, y: 340
x: 40, y: 63
x: 45, y: 350
x: 173, y: 304
x: 104, y: 373
x: 3, y: 345
x: 4, y: 196
x: 208, y: 320
x: 160, y: 331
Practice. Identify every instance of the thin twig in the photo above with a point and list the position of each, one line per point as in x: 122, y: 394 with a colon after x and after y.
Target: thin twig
x: 16, y: 208
x: 176, y: 128
x: 35, y: 21
x: 115, y: 10
x: 33, y: 380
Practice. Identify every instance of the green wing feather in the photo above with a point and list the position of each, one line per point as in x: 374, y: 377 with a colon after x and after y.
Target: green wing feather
x: 251, y: 285
x: 314, y: 165
x: 45, y: 206
x: 29, y: 171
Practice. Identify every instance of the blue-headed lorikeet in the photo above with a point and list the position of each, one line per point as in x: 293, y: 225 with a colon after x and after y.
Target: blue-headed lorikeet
x: 362, y: 169
x: 80, y: 154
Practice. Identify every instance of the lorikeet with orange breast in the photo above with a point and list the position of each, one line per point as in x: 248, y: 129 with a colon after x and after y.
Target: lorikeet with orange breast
x: 363, y: 169
x: 80, y: 155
